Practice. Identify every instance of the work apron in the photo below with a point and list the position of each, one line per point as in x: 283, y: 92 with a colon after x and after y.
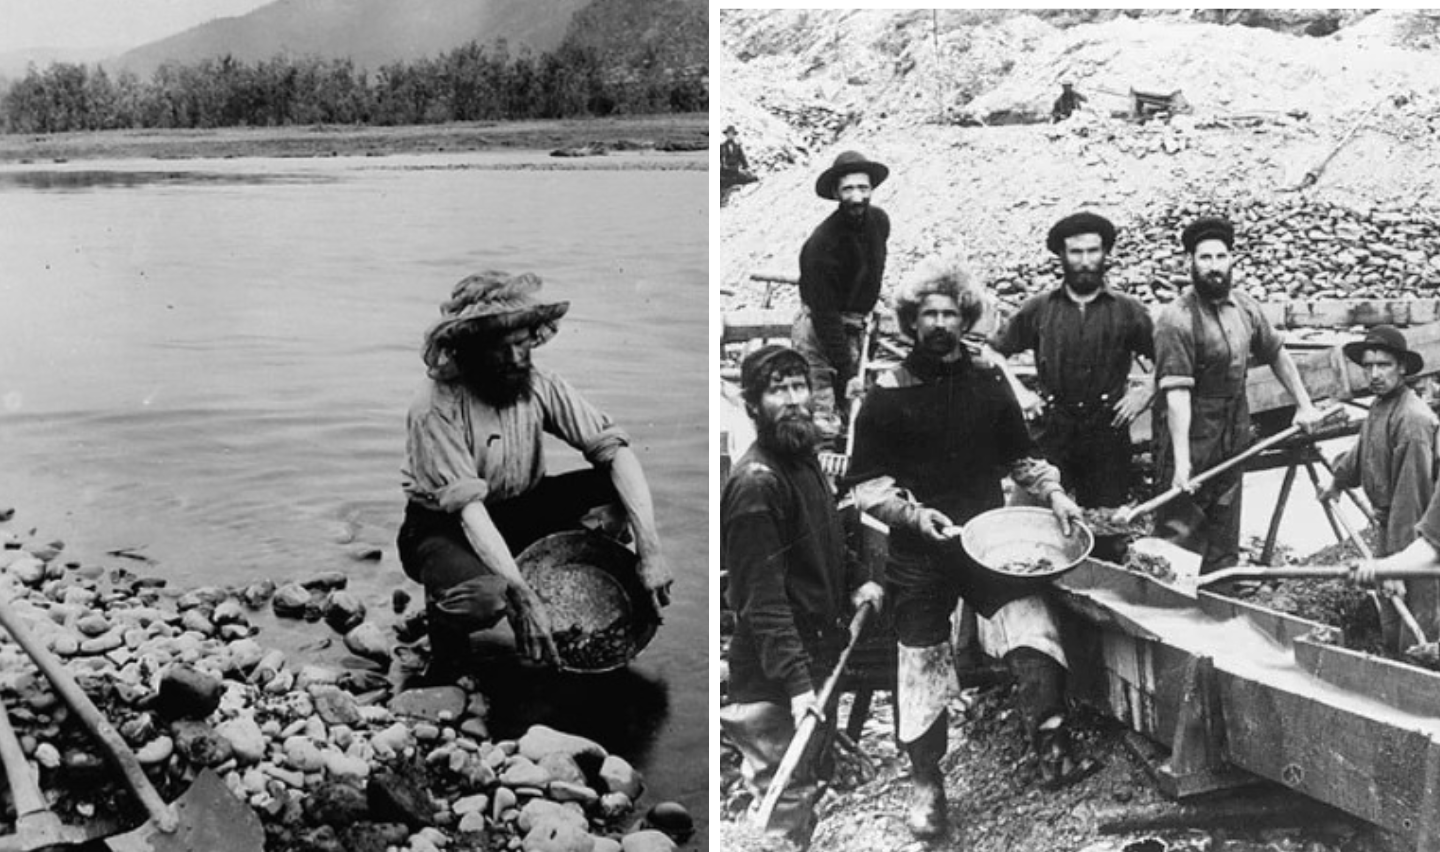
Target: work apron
x: 1219, y: 428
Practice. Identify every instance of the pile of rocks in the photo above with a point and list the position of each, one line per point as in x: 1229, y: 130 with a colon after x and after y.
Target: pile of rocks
x: 1289, y: 248
x: 330, y: 759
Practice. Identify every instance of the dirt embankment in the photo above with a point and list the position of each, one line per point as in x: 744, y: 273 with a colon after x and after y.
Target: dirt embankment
x: 682, y: 132
x: 1267, y: 108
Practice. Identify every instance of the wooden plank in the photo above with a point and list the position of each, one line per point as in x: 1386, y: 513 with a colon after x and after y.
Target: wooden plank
x: 1327, y: 374
x: 1398, y: 684
x: 1342, y: 313
x: 756, y: 324
x: 1366, y: 766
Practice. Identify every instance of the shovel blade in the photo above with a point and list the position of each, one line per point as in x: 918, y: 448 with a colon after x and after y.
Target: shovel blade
x: 210, y: 818
x: 1184, y: 564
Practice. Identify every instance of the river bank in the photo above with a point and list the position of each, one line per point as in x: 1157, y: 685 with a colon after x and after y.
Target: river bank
x: 328, y: 745
x: 680, y: 132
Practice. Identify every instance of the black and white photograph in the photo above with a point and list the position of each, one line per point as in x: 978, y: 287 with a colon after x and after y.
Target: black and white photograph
x: 354, y: 438
x: 1077, y: 429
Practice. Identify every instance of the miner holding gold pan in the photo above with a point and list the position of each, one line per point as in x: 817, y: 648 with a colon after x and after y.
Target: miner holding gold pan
x: 933, y: 440
x: 476, y: 478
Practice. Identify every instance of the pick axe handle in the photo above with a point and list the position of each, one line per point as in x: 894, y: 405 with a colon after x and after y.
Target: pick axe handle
x: 124, y: 759
x: 801, y: 740
x: 1396, y: 599
x: 1226, y: 465
x: 1355, y: 538
x: 862, y: 364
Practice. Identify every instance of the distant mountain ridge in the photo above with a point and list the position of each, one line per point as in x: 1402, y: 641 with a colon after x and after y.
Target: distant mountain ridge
x: 371, y: 32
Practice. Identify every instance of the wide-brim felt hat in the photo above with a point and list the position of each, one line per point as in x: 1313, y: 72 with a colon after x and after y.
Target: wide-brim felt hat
x: 484, y: 306
x: 849, y: 162
x: 729, y: 129
x: 1388, y: 338
x: 1075, y: 224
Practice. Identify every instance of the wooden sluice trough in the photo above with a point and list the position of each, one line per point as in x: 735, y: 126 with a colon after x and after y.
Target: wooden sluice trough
x: 1240, y: 693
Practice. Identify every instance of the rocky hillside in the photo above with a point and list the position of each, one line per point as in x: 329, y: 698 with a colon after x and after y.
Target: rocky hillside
x: 957, y: 104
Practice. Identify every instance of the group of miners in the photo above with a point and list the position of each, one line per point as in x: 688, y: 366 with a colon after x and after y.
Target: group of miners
x: 934, y: 438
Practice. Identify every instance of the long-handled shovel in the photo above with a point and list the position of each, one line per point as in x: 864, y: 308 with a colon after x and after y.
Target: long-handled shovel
x: 1396, y: 600
x: 1125, y: 515
x: 801, y: 740
x: 207, y: 816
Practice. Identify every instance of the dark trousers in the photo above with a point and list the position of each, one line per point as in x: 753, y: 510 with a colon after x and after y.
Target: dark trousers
x: 1093, y: 456
x: 435, y: 552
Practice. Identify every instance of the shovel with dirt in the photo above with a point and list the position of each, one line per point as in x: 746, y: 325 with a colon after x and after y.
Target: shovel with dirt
x: 1184, y: 564
x: 207, y: 816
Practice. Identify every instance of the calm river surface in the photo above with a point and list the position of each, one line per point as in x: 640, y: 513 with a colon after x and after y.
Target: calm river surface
x: 208, y: 363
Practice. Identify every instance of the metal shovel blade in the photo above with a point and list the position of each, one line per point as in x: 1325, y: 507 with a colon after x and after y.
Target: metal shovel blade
x: 211, y: 818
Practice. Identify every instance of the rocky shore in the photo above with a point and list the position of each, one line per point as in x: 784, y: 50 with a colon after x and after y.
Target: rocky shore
x: 329, y: 757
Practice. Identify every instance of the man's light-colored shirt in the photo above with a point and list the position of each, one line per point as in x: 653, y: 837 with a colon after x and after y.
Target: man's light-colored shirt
x: 462, y: 449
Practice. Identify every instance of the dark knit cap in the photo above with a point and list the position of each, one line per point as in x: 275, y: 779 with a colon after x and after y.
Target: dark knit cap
x: 1208, y: 228
x: 1083, y: 222
x: 759, y: 366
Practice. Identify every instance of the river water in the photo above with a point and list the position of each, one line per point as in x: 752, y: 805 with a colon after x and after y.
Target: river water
x: 207, y: 364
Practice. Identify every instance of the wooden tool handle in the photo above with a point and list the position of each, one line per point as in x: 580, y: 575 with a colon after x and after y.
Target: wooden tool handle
x: 798, y: 743
x: 1226, y: 465
x: 1311, y: 572
x: 1359, y: 542
x: 24, y: 789
x: 1407, y: 616
x: 120, y: 754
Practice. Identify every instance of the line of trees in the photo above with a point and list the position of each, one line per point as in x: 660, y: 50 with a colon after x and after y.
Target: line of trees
x: 469, y: 83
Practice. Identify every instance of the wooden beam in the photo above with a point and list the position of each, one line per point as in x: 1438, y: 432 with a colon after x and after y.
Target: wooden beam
x: 756, y: 323
x: 1328, y: 374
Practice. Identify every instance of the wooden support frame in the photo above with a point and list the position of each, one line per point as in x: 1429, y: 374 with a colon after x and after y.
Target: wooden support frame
x: 1233, y: 687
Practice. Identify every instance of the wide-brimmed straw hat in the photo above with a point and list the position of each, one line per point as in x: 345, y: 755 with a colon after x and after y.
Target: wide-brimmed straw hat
x: 1389, y: 339
x: 486, y: 305
x: 849, y: 163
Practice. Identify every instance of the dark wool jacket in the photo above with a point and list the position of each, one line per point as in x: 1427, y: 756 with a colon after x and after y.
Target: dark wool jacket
x: 841, y: 267
x: 784, y: 548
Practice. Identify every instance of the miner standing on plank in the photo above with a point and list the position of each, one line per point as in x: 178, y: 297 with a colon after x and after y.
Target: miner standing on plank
x: 783, y: 548
x: 933, y: 440
x: 1085, y: 336
x: 1203, y: 341
x: 1394, y: 462
x: 841, y: 268
x: 476, y: 482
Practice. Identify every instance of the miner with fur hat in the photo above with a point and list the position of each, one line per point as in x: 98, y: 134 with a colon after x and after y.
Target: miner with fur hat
x: 475, y: 478
x: 842, y: 266
x: 1203, y: 342
x: 1086, y: 336
x: 790, y: 585
x: 933, y: 439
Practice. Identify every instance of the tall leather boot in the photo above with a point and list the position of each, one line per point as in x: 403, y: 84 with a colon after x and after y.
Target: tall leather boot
x: 927, y: 815
x: 1040, y: 684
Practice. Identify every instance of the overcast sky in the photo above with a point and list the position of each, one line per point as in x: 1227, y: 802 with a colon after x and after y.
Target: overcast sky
x: 90, y: 24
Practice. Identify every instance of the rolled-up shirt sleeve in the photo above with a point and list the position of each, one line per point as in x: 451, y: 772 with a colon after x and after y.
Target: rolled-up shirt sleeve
x: 1266, y: 342
x: 571, y: 417
x: 442, y: 467
x: 1174, y: 351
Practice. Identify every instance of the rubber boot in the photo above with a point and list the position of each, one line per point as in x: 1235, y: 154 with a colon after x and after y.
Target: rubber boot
x: 927, y: 815
x: 449, y: 646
